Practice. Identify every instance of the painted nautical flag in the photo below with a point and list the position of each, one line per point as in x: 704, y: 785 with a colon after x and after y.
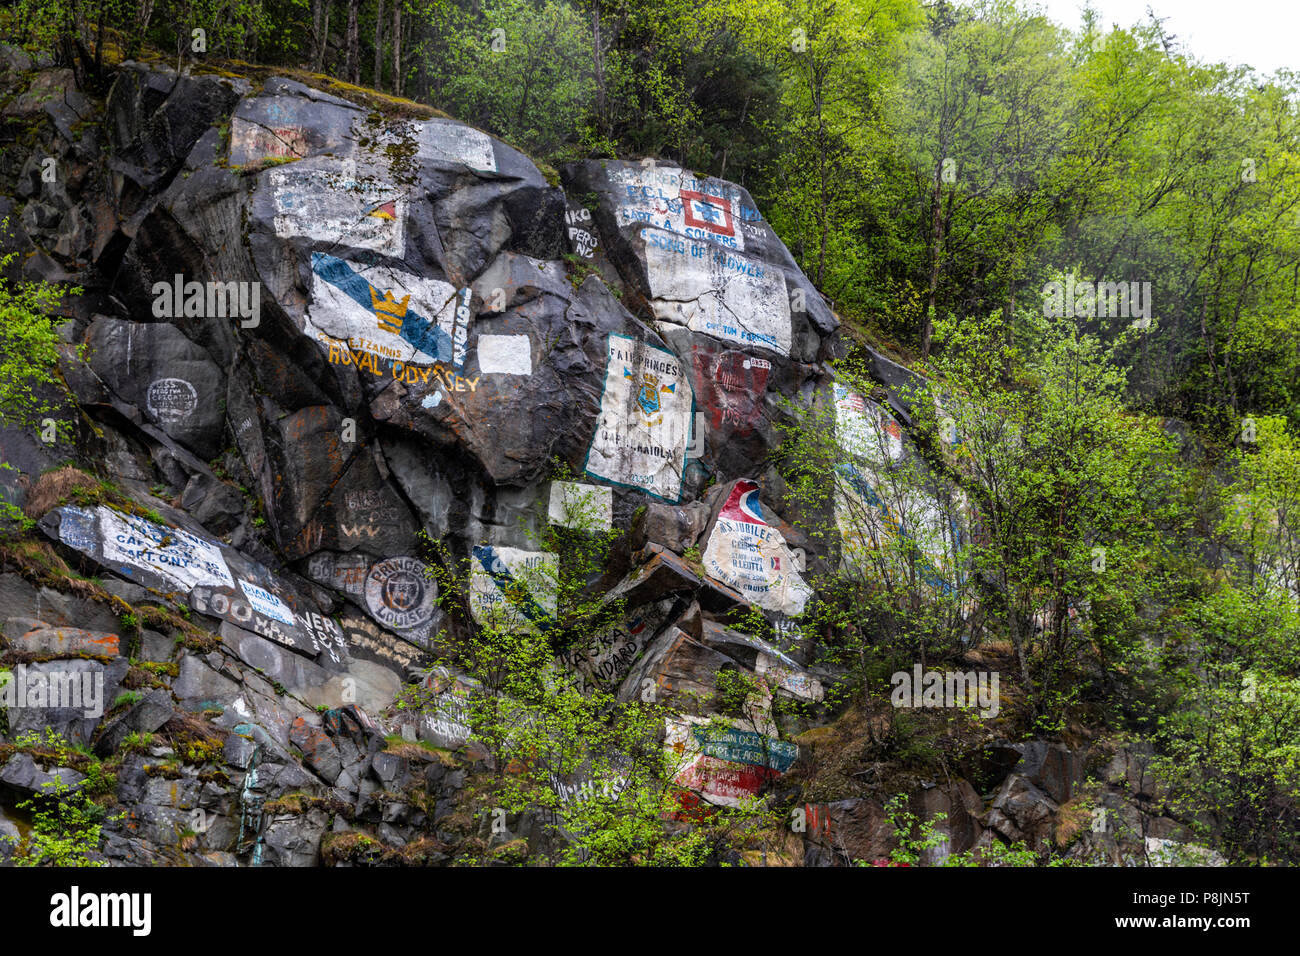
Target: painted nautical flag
x: 511, y: 589
x: 386, y: 311
x: 749, y: 555
x: 645, y: 420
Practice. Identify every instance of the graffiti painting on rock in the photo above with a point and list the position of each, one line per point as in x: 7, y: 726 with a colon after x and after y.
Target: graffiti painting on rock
x: 732, y: 384
x: 724, y: 763
x: 750, y: 556
x: 400, y: 595
x: 367, y: 641
x: 717, y: 292
x: 512, y: 589
x: 910, y: 524
x: 605, y: 659
x: 163, y: 557
x: 447, y: 720
x: 779, y: 674
x: 261, y: 611
x: 338, y: 208
x: 171, y: 400
x: 383, y: 313
x: 252, y: 143
x: 669, y: 198
x: 582, y: 231
x: 646, y: 416
x: 865, y: 429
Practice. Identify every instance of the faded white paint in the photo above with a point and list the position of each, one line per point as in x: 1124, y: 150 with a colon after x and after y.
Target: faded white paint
x: 448, y: 142
x: 865, y: 429
x: 798, y: 682
x: 338, y: 207
x: 717, y: 292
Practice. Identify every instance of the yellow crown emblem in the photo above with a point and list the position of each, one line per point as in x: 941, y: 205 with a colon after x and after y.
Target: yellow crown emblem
x: 388, y: 311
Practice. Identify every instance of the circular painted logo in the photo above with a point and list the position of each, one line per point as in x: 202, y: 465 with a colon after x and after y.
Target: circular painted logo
x: 398, y: 593
x: 171, y: 400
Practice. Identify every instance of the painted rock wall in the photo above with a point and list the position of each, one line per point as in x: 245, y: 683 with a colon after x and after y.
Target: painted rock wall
x: 324, y: 330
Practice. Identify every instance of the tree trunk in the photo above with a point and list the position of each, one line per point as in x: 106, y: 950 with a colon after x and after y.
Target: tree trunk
x: 377, y: 81
x: 936, y: 243
x: 317, y: 40
x: 599, y: 68
x: 319, y: 65
x: 397, y: 47
x: 352, y: 66
x: 143, y: 16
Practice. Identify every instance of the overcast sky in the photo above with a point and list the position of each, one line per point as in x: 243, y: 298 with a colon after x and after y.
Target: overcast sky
x: 1261, y: 33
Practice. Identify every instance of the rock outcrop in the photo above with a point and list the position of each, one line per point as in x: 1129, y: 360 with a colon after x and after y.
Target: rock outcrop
x: 316, y: 333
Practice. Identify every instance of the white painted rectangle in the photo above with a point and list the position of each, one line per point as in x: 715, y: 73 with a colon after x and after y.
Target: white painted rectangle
x: 338, y: 207
x: 581, y: 506
x: 505, y: 354
x: 447, y: 142
x: 266, y: 603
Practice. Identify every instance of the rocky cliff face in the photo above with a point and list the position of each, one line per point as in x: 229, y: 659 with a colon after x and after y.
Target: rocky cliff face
x: 319, y: 333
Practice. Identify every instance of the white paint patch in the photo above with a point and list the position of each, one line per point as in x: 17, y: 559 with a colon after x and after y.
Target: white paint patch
x: 171, y: 400
x: 644, y: 427
x: 574, y: 505
x: 865, y: 429
x: 505, y: 354
x: 266, y: 603
x: 717, y: 292
x: 454, y: 143
x: 432, y: 401
x: 749, y: 555
x: 185, y: 560
x: 338, y: 208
